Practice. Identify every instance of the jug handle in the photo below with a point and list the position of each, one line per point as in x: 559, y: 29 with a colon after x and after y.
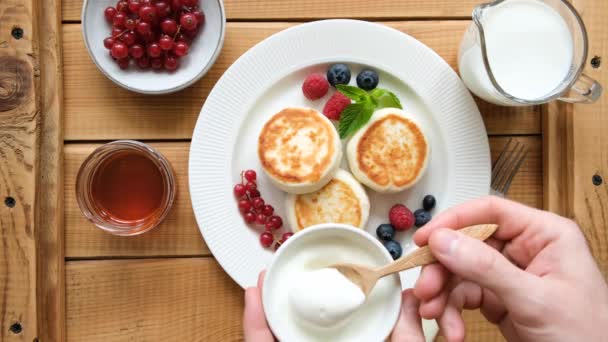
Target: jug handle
x: 584, y: 90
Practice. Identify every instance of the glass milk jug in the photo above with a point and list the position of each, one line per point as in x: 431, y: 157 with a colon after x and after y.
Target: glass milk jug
x: 527, y: 52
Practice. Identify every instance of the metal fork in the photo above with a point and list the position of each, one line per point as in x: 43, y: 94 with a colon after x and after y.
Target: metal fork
x: 507, y: 165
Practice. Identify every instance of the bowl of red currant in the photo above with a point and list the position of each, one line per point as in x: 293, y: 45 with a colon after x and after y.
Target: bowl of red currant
x: 153, y: 46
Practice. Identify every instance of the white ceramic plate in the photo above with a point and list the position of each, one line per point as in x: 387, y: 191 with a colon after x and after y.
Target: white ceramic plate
x: 269, y: 77
x: 203, y: 51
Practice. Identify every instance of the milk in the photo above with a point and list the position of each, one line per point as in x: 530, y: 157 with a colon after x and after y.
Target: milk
x: 529, y: 47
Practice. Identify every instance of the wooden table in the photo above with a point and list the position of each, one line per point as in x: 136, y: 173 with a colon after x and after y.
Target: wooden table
x: 63, y: 279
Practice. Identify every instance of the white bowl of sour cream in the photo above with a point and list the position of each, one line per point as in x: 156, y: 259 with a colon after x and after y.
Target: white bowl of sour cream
x: 304, y: 300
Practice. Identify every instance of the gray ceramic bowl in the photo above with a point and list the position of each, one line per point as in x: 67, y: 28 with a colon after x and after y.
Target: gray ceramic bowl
x: 203, y: 52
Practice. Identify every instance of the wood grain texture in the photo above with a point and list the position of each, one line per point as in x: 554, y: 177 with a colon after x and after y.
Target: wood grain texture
x: 49, y: 190
x: 19, y: 118
x: 589, y: 124
x: 179, y: 234
x: 97, y: 109
x: 320, y: 9
x: 152, y: 300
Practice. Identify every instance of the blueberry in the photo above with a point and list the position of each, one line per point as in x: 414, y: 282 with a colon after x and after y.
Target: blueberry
x: 367, y: 79
x: 428, y: 203
x: 338, y: 74
x: 394, y: 248
x: 385, y: 232
x: 422, y: 217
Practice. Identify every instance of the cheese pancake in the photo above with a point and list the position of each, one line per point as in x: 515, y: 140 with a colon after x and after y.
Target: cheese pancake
x: 342, y: 200
x: 300, y: 150
x: 390, y: 153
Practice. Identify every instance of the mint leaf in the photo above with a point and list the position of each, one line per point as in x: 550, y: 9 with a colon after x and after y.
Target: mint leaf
x: 364, y: 115
x: 385, y: 98
x: 353, y: 93
x: 347, y: 117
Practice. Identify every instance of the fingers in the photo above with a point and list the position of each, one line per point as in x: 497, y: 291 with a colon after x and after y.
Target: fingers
x: 431, y: 281
x: 434, y: 307
x: 255, y: 328
x: 511, y: 217
x: 465, y: 295
x: 409, y: 324
x: 473, y: 260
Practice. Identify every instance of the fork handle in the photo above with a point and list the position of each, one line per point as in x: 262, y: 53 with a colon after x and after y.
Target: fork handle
x: 423, y: 256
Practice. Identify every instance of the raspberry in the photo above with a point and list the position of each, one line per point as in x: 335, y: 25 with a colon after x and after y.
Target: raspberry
x: 401, y: 217
x: 315, y: 86
x: 335, y: 105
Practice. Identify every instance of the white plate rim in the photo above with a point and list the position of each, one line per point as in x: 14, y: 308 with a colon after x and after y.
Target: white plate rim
x: 203, y: 72
x: 210, y: 174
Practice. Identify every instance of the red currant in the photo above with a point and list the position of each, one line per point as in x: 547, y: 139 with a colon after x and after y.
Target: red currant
x: 251, y: 186
x: 134, y: 6
x: 255, y: 193
x: 153, y: 50
x: 116, y: 32
x: 156, y: 63
x: 165, y: 43
x: 146, y: 2
x: 286, y: 236
x: 148, y: 13
x: 168, y: 26
x: 258, y: 203
x: 200, y: 17
x: 123, y: 63
x: 119, y: 20
x: 266, y: 239
x: 260, y: 219
x: 276, y: 221
x: 182, y: 38
x: 176, y: 5
x: 148, y: 37
x: 128, y: 38
x: 180, y: 49
x: 162, y: 9
x: 122, y: 6
x: 171, y: 63
x: 143, y: 27
x: 244, y: 205
x: 143, y: 62
x: 249, y: 217
x: 268, y: 210
x: 130, y: 24
x: 239, y: 190
x: 189, y: 3
x: 136, y: 51
x: 109, y: 13
x: 108, y: 42
x: 188, y: 21
x: 250, y: 175
x: 119, y: 50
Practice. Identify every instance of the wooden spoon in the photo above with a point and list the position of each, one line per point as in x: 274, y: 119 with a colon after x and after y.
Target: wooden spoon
x: 366, y: 278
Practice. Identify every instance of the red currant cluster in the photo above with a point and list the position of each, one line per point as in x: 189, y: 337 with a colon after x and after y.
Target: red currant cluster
x: 154, y: 33
x: 256, y: 211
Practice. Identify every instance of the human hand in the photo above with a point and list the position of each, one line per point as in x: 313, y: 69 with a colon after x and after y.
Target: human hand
x: 255, y: 328
x: 538, y: 283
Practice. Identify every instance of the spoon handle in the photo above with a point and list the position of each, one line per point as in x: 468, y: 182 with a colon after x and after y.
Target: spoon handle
x: 423, y: 256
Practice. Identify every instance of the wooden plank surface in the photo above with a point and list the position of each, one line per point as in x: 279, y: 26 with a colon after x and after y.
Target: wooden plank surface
x: 19, y: 117
x: 318, y: 9
x: 179, y: 234
x: 96, y: 109
x: 589, y: 141
x: 178, y: 299
x: 49, y: 190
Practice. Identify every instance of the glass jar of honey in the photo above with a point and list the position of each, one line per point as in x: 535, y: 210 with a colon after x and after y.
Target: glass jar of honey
x: 125, y: 187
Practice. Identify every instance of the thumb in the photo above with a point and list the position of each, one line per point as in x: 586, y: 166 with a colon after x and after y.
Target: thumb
x: 476, y: 261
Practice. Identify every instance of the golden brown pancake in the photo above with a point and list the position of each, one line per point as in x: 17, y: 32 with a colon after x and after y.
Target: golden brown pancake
x: 342, y: 200
x: 299, y: 149
x: 390, y: 153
